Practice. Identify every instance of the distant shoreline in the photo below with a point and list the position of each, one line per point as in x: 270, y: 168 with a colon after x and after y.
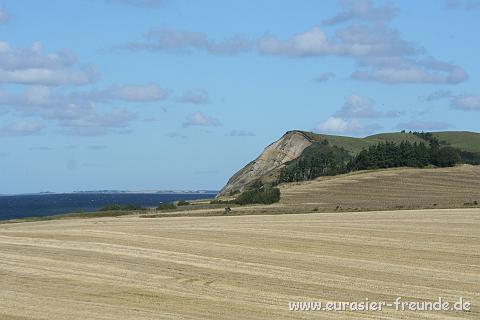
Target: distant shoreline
x: 208, y: 192
x: 46, y: 204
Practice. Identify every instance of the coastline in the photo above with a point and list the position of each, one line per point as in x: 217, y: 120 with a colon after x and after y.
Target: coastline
x: 44, y: 205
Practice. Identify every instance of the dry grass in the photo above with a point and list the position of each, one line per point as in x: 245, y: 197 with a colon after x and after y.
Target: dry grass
x: 239, y: 267
x: 387, y: 190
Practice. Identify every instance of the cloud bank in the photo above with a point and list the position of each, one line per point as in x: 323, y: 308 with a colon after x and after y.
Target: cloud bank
x: 183, y: 41
x: 21, y: 129
x: 199, y: 96
x: 29, y: 66
x: 362, y: 34
x: 199, y: 119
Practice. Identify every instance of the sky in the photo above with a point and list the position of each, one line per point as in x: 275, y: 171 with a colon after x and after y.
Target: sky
x: 175, y: 94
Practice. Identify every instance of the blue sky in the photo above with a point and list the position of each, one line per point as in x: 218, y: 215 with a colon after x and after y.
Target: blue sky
x: 171, y: 94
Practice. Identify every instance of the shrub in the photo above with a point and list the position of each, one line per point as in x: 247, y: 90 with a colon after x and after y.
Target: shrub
x: 445, y: 157
x: 232, y: 193
x: 121, y: 207
x: 167, y: 206
x: 183, y: 203
x: 218, y: 201
x: 319, y: 159
x: 470, y: 157
x: 259, y: 194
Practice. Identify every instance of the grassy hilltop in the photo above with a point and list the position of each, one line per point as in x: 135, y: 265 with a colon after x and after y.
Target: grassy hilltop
x: 463, y: 140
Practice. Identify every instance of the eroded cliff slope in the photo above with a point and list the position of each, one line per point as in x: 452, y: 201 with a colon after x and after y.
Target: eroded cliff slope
x: 287, y: 148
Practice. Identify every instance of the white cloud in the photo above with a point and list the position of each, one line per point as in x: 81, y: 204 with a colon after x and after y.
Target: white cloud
x: 97, y: 147
x: 140, y: 3
x: 394, y: 114
x: 183, y: 41
x: 48, y: 77
x: 74, y: 116
x: 380, y: 52
x: 452, y: 4
x: 128, y: 93
x: 30, y: 66
x: 150, y: 92
x: 96, y: 123
x: 4, y: 17
x: 199, y: 119
x: 467, y: 102
x: 241, y: 133
x: 40, y: 148
x: 333, y: 125
x: 324, y: 77
x: 339, y: 125
x: 469, y: 5
x: 357, y: 106
x: 175, y: 135
x: 356, y: 41
x: 311, y: 43
x: 413, y: 74
x: 199, y: 96
x: 438, y: 95
x: 363, y: 10
x: 32, y: 58
x: 21, y: 129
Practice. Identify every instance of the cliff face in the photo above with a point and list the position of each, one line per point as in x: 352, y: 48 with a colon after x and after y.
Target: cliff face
x: 287, y: 148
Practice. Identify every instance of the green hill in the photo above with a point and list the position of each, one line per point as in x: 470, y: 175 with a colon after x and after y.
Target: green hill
x: 463, y: 140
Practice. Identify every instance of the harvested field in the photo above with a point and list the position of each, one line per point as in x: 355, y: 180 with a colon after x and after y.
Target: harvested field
x: 388, y: 190
x: 238, y: 267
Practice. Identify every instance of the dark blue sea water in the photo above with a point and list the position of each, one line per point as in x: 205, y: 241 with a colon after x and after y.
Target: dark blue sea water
x: 22, y: 206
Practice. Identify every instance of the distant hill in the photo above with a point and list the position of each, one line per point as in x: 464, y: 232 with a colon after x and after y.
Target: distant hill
x: 291, y: 145
x: 388, y: 189
x: 463, y: 140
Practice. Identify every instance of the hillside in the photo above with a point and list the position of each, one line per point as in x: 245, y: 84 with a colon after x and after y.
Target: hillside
x: 292, y: 144
x: 464, y: 140
x: 287, y: 148
x: 355, y: 145
x: 384, y: 189
x: 400, y: 188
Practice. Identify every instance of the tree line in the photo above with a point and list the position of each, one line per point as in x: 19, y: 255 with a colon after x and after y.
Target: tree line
x: 406, y: 154
x: 323, y: 159
x: 319, y: 159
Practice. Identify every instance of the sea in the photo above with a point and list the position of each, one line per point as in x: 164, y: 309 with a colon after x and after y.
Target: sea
x: 39, y: 205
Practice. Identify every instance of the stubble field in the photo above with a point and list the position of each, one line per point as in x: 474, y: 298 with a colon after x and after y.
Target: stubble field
x: 392, y: 189
x: 239, y: 267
